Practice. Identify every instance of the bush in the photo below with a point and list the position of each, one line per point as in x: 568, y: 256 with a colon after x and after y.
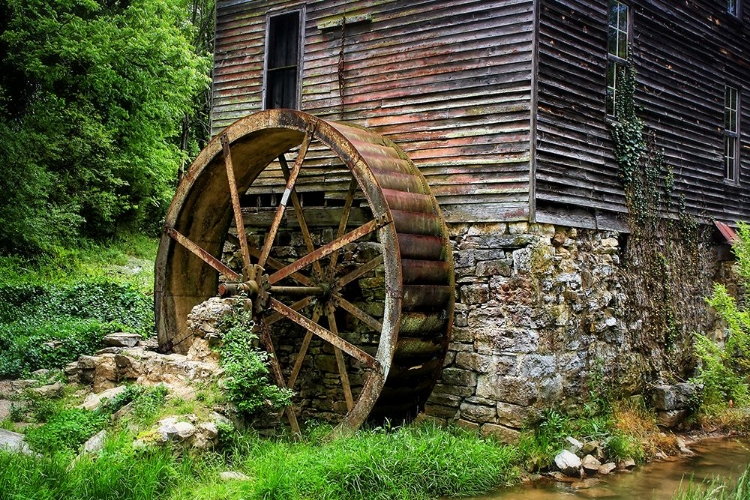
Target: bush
x: 725, y: 367
x: 66, y: 430
x: 246, y: 367
x: 50, y: 325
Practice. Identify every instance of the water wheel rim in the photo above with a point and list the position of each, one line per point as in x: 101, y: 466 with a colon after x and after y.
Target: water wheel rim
x: 190, y: 216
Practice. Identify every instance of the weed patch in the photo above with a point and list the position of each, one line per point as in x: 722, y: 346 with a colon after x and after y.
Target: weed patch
x: 65, y: 431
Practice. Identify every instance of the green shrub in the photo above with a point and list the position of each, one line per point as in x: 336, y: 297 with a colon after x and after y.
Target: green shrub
x: 246, y: 367
x: 622, y: 446
x: 725, y: 368
x: 48, y: 326
x: 66, y: 430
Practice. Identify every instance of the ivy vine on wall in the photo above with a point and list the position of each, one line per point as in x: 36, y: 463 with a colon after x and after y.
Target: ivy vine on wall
x: 664, y: 269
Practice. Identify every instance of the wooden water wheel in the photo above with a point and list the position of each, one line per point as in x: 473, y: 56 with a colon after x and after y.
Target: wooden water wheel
x: 341, y: 247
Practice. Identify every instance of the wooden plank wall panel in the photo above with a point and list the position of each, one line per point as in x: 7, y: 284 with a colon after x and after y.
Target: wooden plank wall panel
x: 684, y: 54
x: 449, y: 81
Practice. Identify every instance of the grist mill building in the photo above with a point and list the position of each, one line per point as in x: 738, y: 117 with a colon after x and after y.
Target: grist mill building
x: 506, y: 108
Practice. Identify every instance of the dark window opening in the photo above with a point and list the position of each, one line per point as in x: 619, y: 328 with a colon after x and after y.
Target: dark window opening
x: 731, y: 133
x: 618, y: 33
x: 283, y: 53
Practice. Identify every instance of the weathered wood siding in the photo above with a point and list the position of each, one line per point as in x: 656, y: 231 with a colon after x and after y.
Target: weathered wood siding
x: 685, y: 53
x: 449, y: 81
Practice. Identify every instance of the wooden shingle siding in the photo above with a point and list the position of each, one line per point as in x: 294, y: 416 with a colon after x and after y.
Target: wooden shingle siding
x: 684, y: 54
x: 449, y: 81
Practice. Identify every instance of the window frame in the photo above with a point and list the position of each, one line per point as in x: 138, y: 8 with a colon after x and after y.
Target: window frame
x: 301, y: 13
x: 614, y: 61
x: 731, y: 137
x: 737, y: 12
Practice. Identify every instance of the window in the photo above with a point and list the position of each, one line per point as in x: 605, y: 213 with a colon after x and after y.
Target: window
x: 617, y: 49
x: 282, y: 61
x: 733, y: 7
x: 731, y: 133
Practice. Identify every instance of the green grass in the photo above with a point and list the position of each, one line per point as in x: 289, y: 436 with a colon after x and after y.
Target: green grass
x: 413, y: 462
x: 118, y: 472
x: 717, y: 489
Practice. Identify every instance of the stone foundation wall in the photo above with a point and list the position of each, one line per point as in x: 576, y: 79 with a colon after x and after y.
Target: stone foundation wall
x: 542, y: 321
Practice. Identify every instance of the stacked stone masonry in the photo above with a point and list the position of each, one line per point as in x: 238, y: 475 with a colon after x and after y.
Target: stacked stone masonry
x: 540, y: 317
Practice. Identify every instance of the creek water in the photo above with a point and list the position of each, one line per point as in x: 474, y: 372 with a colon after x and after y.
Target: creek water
x: 724, y: 457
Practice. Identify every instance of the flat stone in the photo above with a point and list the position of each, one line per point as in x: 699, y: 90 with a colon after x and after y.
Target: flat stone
x: 671, y: 418
x: 590, y: 464
x: 607, y: 468
x: 479, y: 413
x: 562, y: 478
x: 502, y: 433
x: 568, y: 463
x: 93, y: 401
x: 674, y: 397
x: 627, y: 464
x: 121, y: 339
x: 682, y: 446
x: 574, y: 445
x: 5, y: 407
x: 96, y: 442
x: 13, y: 442
x: 49, y: 391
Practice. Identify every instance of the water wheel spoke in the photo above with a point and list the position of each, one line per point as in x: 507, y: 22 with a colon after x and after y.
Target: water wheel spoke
x: 297, y: 306
x: 340, y: 360
x: 236, y: 204
x: 342, y: 224
x: 276, y: 264
x: 325, y: 334
x: 202, y: 254
x: 301, y: 219
x: 278, y: 376
x: 328, y: 249
x: 271, y: 236
x: 359, y: 272
x: 302, y: 351
x: 358, y: 313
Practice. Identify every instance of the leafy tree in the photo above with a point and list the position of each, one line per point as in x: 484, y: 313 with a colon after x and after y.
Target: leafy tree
x: 92, y: 99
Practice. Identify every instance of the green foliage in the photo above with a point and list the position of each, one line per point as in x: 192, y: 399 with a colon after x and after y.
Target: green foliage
x: 48, y: 326
x: 92, y: 98
x: 246, y: 368
x: 145, y: 402
x: 717, y: 489
x: 725, y: 366
x: 662, y: 256
x: 539, y: 447
x: 412, y: 462
x: 117, y: 472
x: 66, y: 430
x: 620, y: 446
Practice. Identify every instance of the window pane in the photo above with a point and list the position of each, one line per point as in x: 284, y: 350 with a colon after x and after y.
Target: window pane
x: 622, y: 45
x: 612, y: 48
x: 611, y: 87
x: 732, y: 7
x: 623, y: 17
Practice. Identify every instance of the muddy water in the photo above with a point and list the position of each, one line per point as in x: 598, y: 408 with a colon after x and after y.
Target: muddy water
x: 657, y: 480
